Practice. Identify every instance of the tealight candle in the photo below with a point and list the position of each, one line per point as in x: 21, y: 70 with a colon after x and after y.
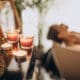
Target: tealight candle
x: 6, y: 46
x: 12, y: 36
x: 26, y: 42
x: 20, y: 56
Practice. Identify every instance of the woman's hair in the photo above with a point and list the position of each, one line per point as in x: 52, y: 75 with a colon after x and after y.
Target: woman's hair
x: 53, y: 33
x: 60, y: 33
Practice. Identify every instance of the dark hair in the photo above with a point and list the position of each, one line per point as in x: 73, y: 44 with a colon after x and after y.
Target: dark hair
x: 53, y: 33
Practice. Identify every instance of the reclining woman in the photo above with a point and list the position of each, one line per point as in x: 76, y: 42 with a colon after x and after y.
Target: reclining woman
x: 60, y: 33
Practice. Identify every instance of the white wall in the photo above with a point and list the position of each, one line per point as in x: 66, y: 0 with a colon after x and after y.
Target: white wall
x: 66, y: 11
x: 62, y: 11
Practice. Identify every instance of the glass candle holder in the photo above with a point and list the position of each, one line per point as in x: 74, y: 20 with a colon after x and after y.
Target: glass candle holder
x: 6, y: 46
x: 20, y: 56
x: 26, y: 43
x: 12, y: 38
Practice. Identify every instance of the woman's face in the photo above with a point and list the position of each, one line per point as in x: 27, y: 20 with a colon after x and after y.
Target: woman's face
x: 62, y: 28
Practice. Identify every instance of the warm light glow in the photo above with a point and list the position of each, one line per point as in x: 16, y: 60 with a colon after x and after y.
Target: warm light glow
x: 5, y: 46
x: 19, y: 53
x: 12, y: 36
x: 26, y: 42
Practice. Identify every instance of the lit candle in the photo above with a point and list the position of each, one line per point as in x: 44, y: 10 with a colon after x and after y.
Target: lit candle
x: 20, y: 55
x: 6, y: 46
x: 12, y: 36
x: 26, y: 42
